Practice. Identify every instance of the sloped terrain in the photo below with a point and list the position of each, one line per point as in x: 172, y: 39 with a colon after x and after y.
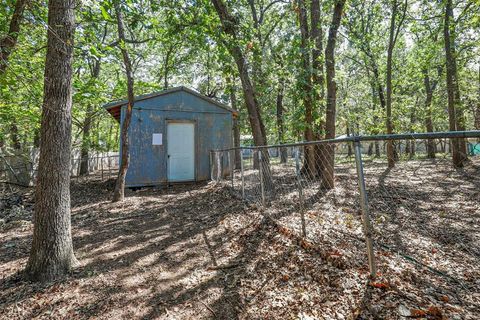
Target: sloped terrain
x: 199, y: 252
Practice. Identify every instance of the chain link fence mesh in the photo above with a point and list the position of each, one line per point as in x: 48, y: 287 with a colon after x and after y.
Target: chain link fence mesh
x: 422, y: 210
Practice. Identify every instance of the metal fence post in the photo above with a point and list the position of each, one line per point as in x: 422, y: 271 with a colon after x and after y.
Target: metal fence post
x: 109, y: 166
x: 212, y: 165
x: 230, y: 164
x: 219, y: 165
x: 364, y: 207
x: 243, y: 177
x: 300, y: 191
x: 101, y: 165
x: 260, y: 171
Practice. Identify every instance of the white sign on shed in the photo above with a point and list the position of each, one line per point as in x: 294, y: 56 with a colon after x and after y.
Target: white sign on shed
x: 157, y: 139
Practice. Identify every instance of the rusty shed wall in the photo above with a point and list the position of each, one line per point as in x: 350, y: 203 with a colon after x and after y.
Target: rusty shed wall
x: 148, y: 163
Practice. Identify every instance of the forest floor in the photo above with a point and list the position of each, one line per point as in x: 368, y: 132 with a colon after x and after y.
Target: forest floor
x: 198, y: 252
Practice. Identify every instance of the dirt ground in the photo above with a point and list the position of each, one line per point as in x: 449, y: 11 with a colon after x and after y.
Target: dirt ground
x: 199, y: 252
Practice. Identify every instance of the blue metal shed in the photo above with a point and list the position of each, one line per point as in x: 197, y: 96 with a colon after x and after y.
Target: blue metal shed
x: 171, y: 135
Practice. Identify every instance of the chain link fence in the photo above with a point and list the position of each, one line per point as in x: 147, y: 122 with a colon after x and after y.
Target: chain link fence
x: 421, y: 209
x: 21, y: 169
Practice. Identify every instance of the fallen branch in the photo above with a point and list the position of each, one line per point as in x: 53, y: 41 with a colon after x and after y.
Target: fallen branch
x: 210, y: 309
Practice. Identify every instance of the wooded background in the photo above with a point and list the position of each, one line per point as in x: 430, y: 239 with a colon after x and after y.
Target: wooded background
x: 282, y: 64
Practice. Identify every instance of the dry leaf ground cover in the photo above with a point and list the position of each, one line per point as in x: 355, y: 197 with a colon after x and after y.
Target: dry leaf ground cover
x: 199, y: 252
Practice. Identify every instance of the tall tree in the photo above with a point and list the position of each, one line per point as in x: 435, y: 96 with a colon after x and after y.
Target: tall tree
x: 306, y: 88
x: 477, y: 108
x: 455, y: 113
x: 236, y: 125
x: 119, y: 192
x: 87, y: 124
x: 7, y: 44
x: 430, y: 86
x: 230, y: 28
x: 392, y: 40
x: 280, y: 120
x: 52, y: 254
x: 331, y: 108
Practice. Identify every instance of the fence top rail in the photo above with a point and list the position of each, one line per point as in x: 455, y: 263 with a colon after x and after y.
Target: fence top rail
x: 380, y: 137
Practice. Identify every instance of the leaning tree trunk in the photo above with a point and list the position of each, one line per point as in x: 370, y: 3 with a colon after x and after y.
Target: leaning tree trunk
x: 8, y: 43
x: 457, y: 157
x: 119, y: 192
x: 328, y: 174
x: 52, y: 250
x: 230, y: 27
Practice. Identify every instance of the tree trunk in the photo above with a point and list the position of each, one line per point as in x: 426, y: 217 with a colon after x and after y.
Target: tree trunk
x: 306, y: 85
x: 452, y: 85
x: 52, y: 250
x: 349, y: 145
x: 318, y: 80
x: 230, y: 25
x: 316, y: 35
x: 391, y: 45
x: 257, y: 50
x: 477, y: 108
x: 36, y: 138
x: 236, y: 126
x: 84, y: 151
x: 8, y: 43
x: 119, y: 192
x: 328, y: 175
x: 375, y: 85
x: 429, y: 87
x: 87, y: 124
x: 16, y: 144
x: 167, y: 66
x: 280, y: 125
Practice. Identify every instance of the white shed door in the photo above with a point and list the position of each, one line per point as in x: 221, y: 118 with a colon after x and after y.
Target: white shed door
x: 181, y: 151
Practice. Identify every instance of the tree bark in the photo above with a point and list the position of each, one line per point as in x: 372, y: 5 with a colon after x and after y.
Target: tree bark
x: 328, y: 174
x: 429, y: 88
x: 119, y: 192
x: 318, y: 80
x: 280, y: 124
x: 318, y: 77
x: 8, y: 43
x: 257, y: 50
x: 453, y: 93
x: 394, y: 30
x: 236, y: 126
x: 16, y: 144
x: 166, y: 66
x: 477, y: 109
x: 87, y: 125
x: 52, y: 254
x: 229, y: 26
x: 306, y: 85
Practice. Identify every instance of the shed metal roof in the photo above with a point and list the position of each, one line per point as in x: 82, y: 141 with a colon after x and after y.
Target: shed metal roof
x: 114, y: 107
